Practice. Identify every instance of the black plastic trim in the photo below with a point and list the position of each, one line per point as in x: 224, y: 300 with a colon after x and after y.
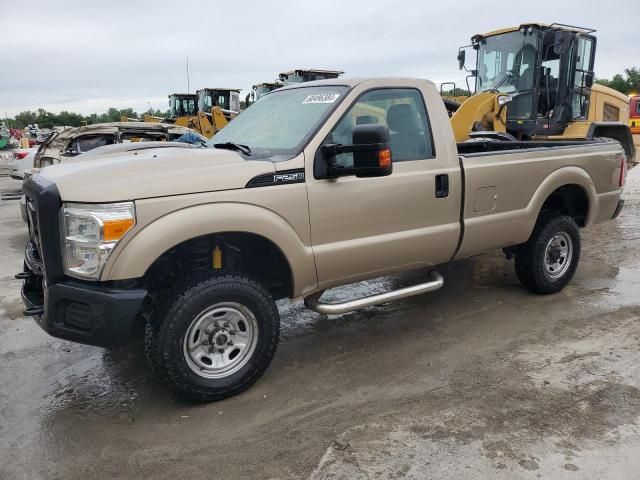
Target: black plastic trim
x: 93, y: 314
x: 44, y: 194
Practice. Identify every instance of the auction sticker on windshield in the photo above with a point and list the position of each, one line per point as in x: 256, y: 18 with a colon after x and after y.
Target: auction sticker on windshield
x: 321, y: 98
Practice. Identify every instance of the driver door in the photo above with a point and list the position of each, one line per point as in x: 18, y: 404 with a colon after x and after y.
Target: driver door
x: 365, y: 227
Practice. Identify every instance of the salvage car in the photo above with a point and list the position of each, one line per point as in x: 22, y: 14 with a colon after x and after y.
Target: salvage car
x: 316, y: 186
x: 75, y: 141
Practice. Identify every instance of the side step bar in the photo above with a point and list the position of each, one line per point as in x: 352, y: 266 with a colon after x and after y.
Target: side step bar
x: 313, y: 301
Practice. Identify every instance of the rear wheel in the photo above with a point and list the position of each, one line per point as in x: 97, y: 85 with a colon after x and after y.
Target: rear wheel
x: 213, y: 338
x: 549, y: 259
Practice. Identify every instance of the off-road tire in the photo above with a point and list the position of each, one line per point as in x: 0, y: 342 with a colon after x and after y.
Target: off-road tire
x: 172, y: 315
x: 530, y: 257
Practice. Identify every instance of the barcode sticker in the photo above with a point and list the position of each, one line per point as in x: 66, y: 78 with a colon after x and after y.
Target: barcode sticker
x: 322, y: 98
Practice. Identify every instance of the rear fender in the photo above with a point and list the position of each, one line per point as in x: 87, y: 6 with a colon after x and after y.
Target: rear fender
x: 560, y: 178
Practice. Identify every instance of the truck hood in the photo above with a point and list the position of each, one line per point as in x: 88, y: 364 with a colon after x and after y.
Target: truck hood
x: 158, y: 172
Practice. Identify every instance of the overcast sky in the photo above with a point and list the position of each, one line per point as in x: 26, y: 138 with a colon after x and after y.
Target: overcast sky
x: 87, y: 56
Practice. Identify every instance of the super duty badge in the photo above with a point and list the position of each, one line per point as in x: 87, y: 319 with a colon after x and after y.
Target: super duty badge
x: 280, y: 178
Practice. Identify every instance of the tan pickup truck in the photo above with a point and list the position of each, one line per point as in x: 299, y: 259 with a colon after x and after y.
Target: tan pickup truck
x: 316, y: 185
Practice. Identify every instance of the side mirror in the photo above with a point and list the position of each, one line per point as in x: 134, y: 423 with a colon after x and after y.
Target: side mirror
x: 462, y: 54
x: 371, y: 153
x: 588, y: 79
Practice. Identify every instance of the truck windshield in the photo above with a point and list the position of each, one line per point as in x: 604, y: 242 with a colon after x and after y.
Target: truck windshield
x: 507, y: 62
x: 282, y: 121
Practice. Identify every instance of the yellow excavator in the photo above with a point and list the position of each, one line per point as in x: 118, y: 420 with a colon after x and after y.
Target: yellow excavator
x: 536, y: 82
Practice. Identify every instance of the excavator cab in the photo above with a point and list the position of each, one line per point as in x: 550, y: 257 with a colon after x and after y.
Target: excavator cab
x: 259, y: 90
x: 227, y: 99
x: 542, y: 74
x: 183, y: 105
x: 262, y: 89
x: 536, y: 82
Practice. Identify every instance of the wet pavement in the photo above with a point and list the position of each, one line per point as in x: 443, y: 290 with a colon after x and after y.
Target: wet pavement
x: 478, y: 380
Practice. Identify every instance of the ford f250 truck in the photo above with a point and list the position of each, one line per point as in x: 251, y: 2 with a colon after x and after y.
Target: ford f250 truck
x: 316, y: 185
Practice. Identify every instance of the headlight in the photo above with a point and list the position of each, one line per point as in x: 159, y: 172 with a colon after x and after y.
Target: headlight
x: 90, y: 233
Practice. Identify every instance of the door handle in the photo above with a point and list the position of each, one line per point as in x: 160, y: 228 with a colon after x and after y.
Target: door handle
x: 442, y: 185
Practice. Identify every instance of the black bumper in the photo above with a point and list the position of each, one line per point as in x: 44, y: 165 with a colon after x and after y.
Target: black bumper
x: 82, y: 312
x: 95, y: 313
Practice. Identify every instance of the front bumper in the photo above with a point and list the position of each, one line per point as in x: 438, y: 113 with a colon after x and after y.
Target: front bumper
x: 95, y: 313
x: 83, y: 312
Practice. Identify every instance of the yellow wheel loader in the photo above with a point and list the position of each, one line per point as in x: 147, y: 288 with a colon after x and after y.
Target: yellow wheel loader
x: 206, y: 111
x: 536, y: 82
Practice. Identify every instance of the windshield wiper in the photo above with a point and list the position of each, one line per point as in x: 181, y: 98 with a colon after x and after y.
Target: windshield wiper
x: 234, y: 146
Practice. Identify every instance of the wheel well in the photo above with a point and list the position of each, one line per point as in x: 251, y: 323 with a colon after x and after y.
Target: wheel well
x: 240, y: 252
x: 570, y: 200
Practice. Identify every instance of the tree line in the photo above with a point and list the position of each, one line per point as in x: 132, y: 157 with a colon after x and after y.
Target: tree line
x: 46, y: 119
x: 627, y: 83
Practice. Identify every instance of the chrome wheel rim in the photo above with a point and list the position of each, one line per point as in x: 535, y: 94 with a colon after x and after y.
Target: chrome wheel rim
x: 558, y: 255
x: 220, y: 340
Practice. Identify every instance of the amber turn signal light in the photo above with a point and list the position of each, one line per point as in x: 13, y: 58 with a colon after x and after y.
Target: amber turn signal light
x: 384, y: 158
x: 115, y: 229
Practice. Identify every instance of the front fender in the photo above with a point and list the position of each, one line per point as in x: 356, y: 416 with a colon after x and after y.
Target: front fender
x: 140, y: 248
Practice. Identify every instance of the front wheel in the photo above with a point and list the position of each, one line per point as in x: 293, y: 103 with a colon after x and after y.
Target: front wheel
x: 214, y: 337
x: 549, y: 259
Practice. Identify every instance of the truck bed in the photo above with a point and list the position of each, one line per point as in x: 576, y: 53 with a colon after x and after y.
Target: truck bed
x: 488, y: 147
x: 506, y: 183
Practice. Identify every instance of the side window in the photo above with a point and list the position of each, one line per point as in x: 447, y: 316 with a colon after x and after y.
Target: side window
x: 86, y: 143
x: 400, y: 109
x: 579, y: 102
x: 611, y: 113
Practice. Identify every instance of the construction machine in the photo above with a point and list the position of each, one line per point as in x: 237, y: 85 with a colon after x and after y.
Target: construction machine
x: 289, y: 78
x: 634, y: 114
x: 206, y: 111
x: 536, y: 82
x: 259, y: 90
x: 301, y: 75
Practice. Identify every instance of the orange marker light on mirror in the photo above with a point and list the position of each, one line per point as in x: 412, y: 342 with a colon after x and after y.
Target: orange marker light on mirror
x: 384, y: 158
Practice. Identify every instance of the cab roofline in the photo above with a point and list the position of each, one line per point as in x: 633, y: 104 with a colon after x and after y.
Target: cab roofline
x: 555, y: 26
x: 312, y: 70
x: 220, y: 89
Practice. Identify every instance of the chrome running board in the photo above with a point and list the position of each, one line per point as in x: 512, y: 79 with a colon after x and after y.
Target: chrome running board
x: 313, y: 301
